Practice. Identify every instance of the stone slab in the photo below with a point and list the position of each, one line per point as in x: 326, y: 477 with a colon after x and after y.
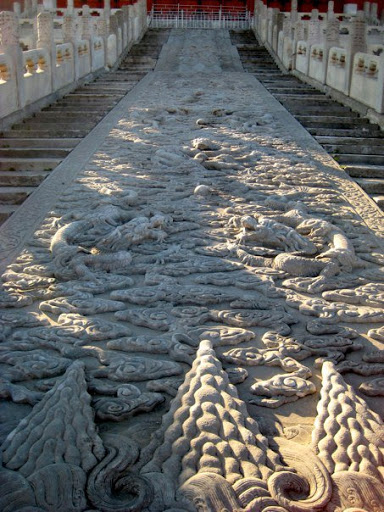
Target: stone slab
x: 199, y: 269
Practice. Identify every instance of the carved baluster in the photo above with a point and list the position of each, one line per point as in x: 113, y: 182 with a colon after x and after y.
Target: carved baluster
x: 367, y: 10
x: 332, y: 31
x: 357, y: 36
x: 314, y: 29
x: 69, y: 6
x: 17, y: 8
x: 86, y: 23
x: 120, y: 31
x: 107, y: 9
x: 374, y: 11
x: 86, y: 29
x: 69, y: 29
x: 34, y: 8
x: 131, y: 25
x: 127, y: 33
x: 102, y: 31
x: 27, y: 8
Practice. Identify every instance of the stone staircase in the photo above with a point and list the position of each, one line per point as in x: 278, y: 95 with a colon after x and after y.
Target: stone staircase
x: 355, y: 143
x: 31, y: 149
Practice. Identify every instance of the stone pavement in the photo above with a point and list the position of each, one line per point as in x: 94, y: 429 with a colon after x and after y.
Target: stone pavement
x: 194, y: 310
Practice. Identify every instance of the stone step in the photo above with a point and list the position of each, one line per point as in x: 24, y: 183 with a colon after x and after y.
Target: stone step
x: 359, y: 141
x: 52, y: 125
x: 39, y: 143
x: 15, y: 195
x: 349, y: 159
x: 262, y: 74
x: 6, y: 211
x: 123, y: 77
x: 104, y: 82
x: 50, y: 116
x: 284, y: 90
x: 129, y: 81
x: 118, y: 89
x: 342, y: 124
x: 44, y: 134
x: 249, y: 50
x: 34, y: 153
x: 313, y: 111
x: 95, y: 91
x: 29, y: 164
x: 341, y: 149
x: 83, y: 105
x: 256, y: 62
x: 22, y: 178
x: 252, y: 47
x: 309, y: 98
x: 84, y: 110
x: 329, y: 121
x: 255, y: 68
x: 282, y: 79
x: 285, y: 81
x: 137, y: 62
x: 369, y: 131
x: 365, y: 171
x: 260, y: 63
x: 379, y: 200
x: 295, y: 102
x: 144, y: 69
x: 371, y: 185
x: 117, y: 83
x: 77, y: 95
x: 138, y: 59
x: 91, y: 102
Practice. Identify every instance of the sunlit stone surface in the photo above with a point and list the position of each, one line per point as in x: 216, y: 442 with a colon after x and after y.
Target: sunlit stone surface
x: 197, y: 322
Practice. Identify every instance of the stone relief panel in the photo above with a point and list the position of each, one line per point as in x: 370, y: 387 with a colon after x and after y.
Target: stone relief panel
x: 198, y: 323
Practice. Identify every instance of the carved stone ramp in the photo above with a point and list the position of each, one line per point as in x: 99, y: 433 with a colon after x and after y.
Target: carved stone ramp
x: 355, y: 143
x: 34, y: 147
x: 191, y: 311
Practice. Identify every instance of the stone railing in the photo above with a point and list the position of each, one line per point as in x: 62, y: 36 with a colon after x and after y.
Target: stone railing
x: 341, y: 52
x: 60, y: 59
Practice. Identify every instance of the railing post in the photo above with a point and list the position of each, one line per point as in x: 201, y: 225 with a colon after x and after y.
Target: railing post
x: 46, y: 40
x: 70, y: 7
x: 17, y: 8
x: 87, y: 31
x: 120, y: 31
x: 34, y: 8
x: 102, y: 31
x: 27, y: 8
x: 107, y: 10
x: 9, y: 44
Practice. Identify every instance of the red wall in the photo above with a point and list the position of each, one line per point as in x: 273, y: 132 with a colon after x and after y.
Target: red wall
x: 7, y: 5
x: 321, y: 5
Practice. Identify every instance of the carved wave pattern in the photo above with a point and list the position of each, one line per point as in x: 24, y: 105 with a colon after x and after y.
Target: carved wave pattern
x: 195, y: 292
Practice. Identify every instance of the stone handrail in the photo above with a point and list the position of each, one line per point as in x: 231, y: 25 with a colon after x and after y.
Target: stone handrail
x: 346, y: 57
x: 82, y: 46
